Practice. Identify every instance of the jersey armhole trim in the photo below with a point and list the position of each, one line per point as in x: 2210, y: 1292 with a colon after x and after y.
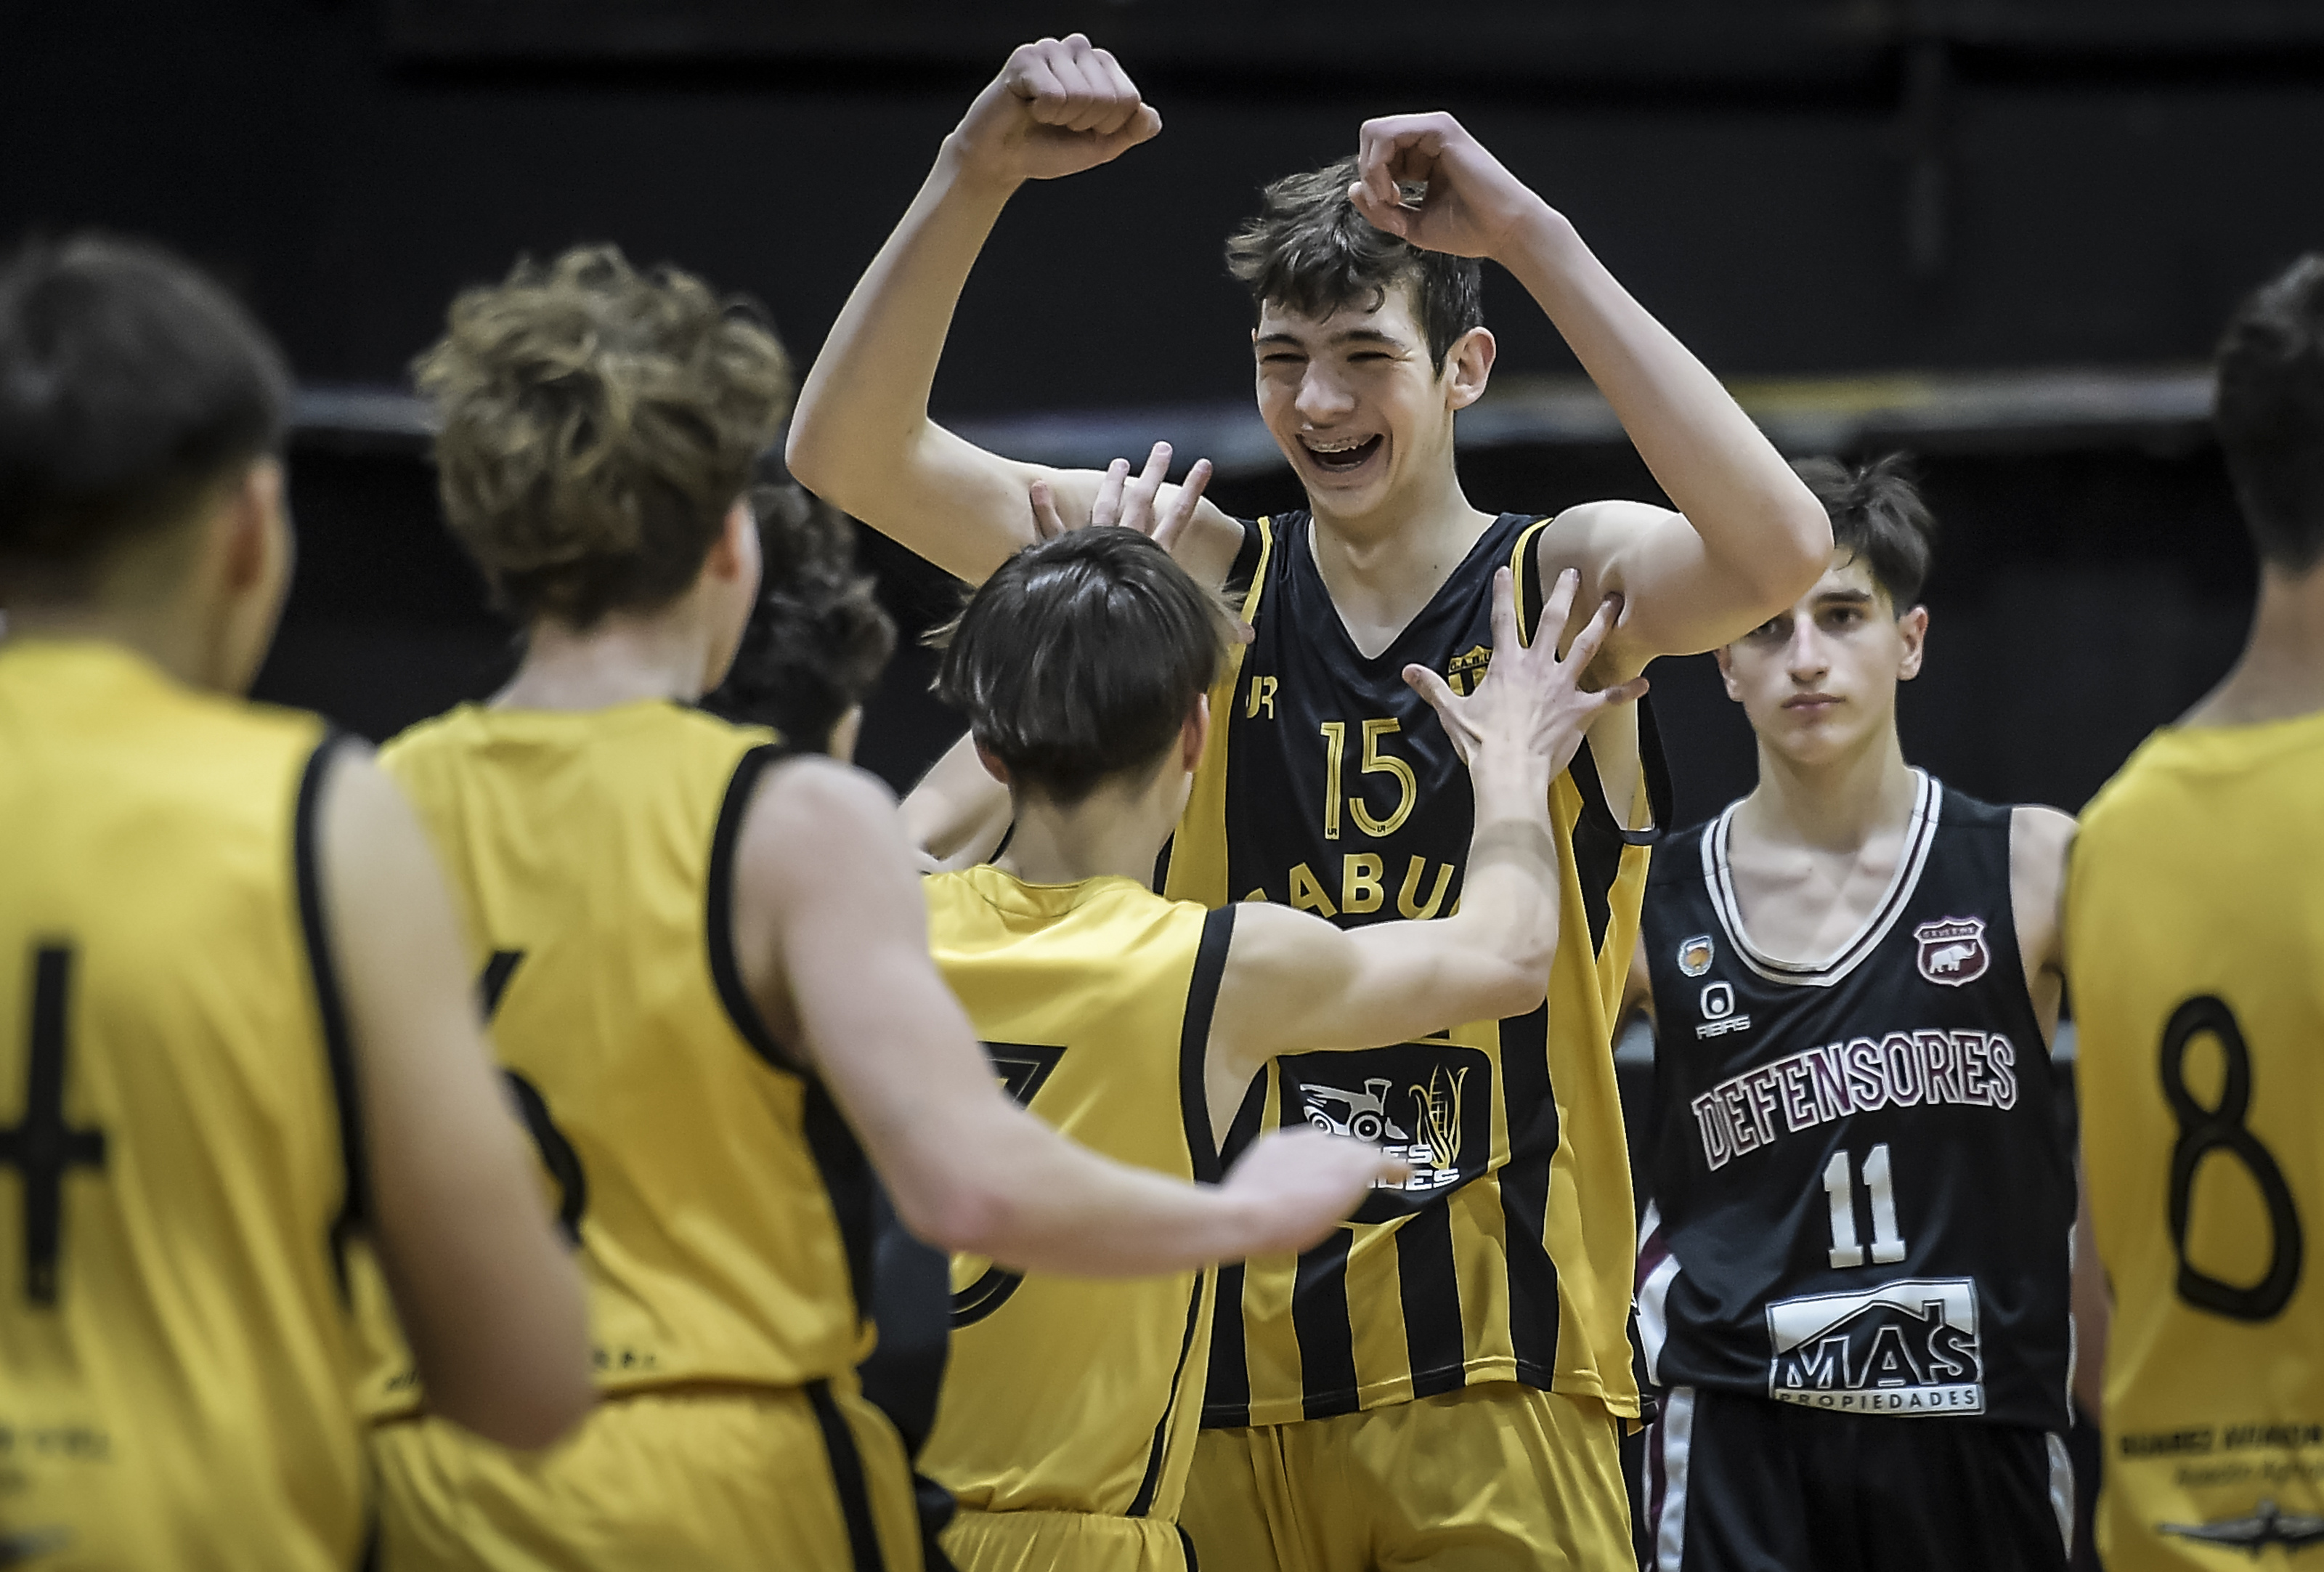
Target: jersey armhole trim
x: 330, y: 1004
x: 1258, y: 551
x: 1195, y: 1043
x: 725, y: 971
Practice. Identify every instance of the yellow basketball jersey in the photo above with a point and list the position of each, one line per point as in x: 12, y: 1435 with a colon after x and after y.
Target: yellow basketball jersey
x: 1094, y: 1001
x: 1329, y: 785
x: 720, y: 1205
x: 2195, y: 934
x: 176, y: 1364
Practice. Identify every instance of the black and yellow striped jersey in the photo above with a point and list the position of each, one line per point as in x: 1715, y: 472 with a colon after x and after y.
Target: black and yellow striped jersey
x: 720, y: 1205
x: 1094, y: 1001
x: 1329, y: 785
x: 2195, y: 940
x: 177, y: 1364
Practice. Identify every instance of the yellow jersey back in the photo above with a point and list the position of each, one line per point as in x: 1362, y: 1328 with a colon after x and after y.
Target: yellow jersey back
x: 1094, y: 999
x: 2195, y: 935
x: 176, y: 1365
x: 719, y: 1203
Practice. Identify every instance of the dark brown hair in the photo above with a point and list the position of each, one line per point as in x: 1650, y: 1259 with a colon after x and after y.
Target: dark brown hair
x: 130, y: 384
x: 1082, y: 658
x: 1878, y: 517
x: 2270, y: 413
x: 818, y: 638
x: 1309, y: 250
x: 598, y: 422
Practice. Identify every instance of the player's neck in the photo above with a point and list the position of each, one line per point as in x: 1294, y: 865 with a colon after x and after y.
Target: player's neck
x: 1114, y: 830
x: 1383, y: 567
x: 619, y: 660
x: 1840, y: 804
x: 2280, y: 675
x: 172, y: 637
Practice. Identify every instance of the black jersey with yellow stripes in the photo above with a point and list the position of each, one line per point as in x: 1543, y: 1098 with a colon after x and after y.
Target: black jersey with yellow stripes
x: 1331, y: 786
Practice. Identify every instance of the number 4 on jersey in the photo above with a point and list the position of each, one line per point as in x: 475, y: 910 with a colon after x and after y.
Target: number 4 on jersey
x: 1839, y: 1188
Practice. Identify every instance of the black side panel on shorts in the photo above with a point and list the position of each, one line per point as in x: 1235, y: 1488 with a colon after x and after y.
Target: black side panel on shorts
x: 847, y: 1478
x: 330, y: 1007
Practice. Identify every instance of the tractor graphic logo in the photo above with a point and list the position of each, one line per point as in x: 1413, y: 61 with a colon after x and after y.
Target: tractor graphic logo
x: 1362, y: 1114
x: 1953, y: 950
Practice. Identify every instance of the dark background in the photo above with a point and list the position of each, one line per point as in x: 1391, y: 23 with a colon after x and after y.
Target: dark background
x: 1828, y: 192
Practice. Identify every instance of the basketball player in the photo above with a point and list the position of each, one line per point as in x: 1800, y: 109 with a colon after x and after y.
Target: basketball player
x: 817, y: 638
x: 708, y: 971
x: 2195, y: 924
x: 1494, y: 1304
x: 233, y: 1024
x: 1070, y: 1409
x: 1854, y: 1271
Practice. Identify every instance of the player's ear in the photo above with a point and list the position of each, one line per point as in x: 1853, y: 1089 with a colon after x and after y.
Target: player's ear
x: 1725, y: 656
x: 1469, y: 365
x: 251, y: 548
x: 1194, y: 734
x: 735, y: 554
x: 1912, y: 628
x: 992, y: 764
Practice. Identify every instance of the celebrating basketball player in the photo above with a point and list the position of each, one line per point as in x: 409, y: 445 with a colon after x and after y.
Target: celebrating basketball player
x: 2195, y: 922
x: 1854, y: 1270
x: 235, y: 1027
x: 1070, y: 1411
x: 708, y: 970
x: 1450, y: 1378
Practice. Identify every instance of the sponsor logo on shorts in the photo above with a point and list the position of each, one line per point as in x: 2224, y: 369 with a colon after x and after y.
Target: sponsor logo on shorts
x: 1908, y: 1348
x: 1694, y: 956
x: 1953, y: 950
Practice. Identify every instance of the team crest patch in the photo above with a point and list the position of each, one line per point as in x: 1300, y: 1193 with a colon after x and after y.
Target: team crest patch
x: 1694, y: 956
x: 1953, y: 950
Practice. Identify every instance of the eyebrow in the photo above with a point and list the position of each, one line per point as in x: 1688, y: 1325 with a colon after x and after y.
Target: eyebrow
x: 1845, y: 597
x: 1347, y: 336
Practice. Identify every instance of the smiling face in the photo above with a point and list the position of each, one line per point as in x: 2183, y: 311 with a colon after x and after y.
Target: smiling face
x: 1818, y: 681
x: 1357, y: 405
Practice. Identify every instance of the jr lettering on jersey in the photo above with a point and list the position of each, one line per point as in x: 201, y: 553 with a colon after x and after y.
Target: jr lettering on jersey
x: 1816, y: 1086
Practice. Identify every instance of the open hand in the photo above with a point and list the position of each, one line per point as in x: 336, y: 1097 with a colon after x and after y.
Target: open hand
x: 1132, y: 505
x: 1529, y: 699
x: 1058, y: 106
x: 1472, y: 204
x: 1302, y: 1183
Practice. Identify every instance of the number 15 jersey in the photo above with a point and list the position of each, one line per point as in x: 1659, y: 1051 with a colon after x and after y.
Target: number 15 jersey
x: 1329, y: 785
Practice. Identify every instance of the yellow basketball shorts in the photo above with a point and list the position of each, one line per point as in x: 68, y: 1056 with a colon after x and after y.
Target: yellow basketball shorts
x: 1490, y: 1478
x: 808, y: 1479
x: 1039, y: 1541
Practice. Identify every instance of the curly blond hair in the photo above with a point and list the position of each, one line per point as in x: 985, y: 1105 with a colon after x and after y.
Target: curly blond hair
x: 595, y: 424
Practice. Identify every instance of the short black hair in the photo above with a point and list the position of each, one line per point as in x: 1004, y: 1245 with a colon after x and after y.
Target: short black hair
x: 818, y: 638
x: 1878, y: 517
x: 2270, y: 413
x: 1082, y: 658
x: 1311, y: 252
x: 130, y: 383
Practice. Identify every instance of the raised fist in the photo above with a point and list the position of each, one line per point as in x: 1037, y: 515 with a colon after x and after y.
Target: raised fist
x: 1058, y: 106
x: 1424, y: 178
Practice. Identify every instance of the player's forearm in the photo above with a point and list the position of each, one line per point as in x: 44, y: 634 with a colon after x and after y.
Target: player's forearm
x: 1754, y: 516
x: 863, y: 409
x: 1024, y: 1195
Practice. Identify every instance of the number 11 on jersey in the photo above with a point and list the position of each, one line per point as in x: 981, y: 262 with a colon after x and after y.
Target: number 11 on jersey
x: 1839, y: 1188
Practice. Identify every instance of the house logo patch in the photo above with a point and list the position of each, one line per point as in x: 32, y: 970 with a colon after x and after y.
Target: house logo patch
x: 1953, y: 950
x: 1908, y: 1348
x: 1694, y: 956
